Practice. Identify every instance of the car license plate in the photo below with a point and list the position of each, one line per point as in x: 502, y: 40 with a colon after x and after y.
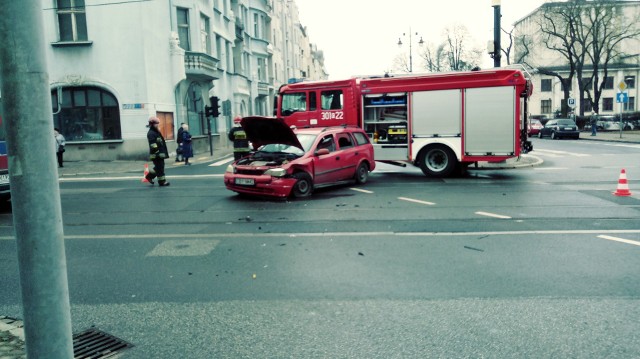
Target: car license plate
x: 245, y: 181
x: 568, y: 128
x: 4, y: 178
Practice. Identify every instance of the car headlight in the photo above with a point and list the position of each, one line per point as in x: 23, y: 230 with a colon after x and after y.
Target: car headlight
x: 276, y: 172
x: 230, y: 168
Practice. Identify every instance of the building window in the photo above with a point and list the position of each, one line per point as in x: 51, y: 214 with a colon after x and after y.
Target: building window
x: 545, y: 85
x: 630, y: 81
x: 631, y: 105
x: 608, y: 83
x: 586, y: 83
x: 545, y: 106
x: 86, y: 114
x: 204, y: 34
x: 256, y: 26
x: 588, y: 106
x: 183, y: 28
x: 72, y: 20
x: 607, y: 104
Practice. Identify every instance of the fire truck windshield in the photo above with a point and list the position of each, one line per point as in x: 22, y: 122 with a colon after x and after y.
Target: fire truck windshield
x: 293, y: 102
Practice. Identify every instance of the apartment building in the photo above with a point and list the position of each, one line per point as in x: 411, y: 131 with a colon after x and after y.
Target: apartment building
x: 114, y: 64
x: 548, y: 95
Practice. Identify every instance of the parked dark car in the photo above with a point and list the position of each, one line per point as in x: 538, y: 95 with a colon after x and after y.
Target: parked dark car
x: 293, y: 162
x: 558, y: 128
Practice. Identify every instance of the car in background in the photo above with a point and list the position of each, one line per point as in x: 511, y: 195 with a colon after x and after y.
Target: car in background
x: 559, y: 128
x: 290, y: 162
x: 534, y: 127
x: 608, y: 123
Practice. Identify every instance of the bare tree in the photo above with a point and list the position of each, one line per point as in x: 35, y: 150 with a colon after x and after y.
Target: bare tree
x: 587, y: 35
x: 459, y: 56
x: 434, y: 57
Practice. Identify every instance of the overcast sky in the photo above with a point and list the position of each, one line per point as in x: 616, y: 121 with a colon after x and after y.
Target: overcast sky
x: 359, y: 37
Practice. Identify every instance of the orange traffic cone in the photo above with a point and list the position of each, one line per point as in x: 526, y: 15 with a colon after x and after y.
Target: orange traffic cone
x: 144, y: 175
x: 623, y: 186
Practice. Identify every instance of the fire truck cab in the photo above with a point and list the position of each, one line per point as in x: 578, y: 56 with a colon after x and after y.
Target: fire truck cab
x: 438, y: 121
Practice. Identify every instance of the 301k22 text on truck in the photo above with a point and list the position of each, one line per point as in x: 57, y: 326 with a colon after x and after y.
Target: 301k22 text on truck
x: 439, y: 122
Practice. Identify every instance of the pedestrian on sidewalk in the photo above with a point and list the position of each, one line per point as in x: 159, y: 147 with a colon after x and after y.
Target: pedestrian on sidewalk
x: 157, y: 152
x: 239, y: 138
x: 187, y: 149
x: 593, y: 121
x: 60, y: 143
x: 179, y: 140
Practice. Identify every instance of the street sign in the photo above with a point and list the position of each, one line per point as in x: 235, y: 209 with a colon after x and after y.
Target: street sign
x: 622, y: 97
x: 622, y: 86
x: 571, y: 102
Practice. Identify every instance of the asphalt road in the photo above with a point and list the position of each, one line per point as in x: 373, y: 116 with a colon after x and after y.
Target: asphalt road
x: 529, y: 262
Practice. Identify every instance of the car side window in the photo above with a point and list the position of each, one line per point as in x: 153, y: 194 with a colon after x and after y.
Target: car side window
x: 344, y: 141
x: 361, y: 138
x: 328, y: 143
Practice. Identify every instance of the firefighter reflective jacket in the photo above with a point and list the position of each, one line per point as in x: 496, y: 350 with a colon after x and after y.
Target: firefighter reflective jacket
x: 157, y: 146
x: 240, y: 140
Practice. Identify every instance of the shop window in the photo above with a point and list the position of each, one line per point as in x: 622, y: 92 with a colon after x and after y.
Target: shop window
x: 86, y: 114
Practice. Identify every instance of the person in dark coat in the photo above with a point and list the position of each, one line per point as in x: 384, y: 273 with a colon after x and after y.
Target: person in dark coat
x: 157, y: 153
x: 179, y: 140
x: 187, y: 149
x: 240, y: 140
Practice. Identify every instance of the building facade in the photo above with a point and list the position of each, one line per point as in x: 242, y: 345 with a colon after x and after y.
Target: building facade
x: 113, y: 65
x: 548, y: 95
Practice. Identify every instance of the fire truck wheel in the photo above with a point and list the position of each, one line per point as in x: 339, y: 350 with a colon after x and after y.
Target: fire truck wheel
x: 303, y: 186
x: 438, y: 161
x: 362, y: 173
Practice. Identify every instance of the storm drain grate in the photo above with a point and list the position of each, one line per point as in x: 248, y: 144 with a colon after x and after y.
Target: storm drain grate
x: 95, y: 344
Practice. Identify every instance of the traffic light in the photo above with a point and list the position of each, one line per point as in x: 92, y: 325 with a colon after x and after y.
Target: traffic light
x: 213, y: 110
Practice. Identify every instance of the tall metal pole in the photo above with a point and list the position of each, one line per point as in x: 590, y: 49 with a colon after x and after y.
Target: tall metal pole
x: 410, y: 52
x: 497, y: 47
x: 34, y: 181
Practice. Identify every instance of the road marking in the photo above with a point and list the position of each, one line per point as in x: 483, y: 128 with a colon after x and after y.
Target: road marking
x: 129, y: 178
x: 360, y: 190
x: 493, y: 215
x: 221, y: 162
x: 553, y: 153
x: 184, y: 248
x: 202, y: 236
x: 630, y: 146
x: 416, y: 201
x: 550, y: 169
x: 628, y: 241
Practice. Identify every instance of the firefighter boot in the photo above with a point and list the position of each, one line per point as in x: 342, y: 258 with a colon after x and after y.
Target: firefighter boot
x: 163, y: 183
x: 150, y: 176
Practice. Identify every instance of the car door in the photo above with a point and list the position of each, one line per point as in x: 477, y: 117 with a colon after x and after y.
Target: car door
x: 349, y: 155
x: 326, y: 166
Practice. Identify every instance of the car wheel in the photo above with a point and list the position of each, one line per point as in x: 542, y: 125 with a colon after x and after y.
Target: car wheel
x: 303, y: 186
x: 540, y: 134
x: 438, y: 161
x: 553, y: 136
x: 362, y: 173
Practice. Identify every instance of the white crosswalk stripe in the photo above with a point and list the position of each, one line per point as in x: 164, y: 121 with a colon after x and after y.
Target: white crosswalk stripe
x: 553, y: 153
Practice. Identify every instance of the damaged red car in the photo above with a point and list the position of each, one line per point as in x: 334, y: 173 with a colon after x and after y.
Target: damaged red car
x: 293, y: 162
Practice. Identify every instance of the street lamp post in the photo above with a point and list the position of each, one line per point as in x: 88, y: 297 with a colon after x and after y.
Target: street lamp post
x: 410, y: 47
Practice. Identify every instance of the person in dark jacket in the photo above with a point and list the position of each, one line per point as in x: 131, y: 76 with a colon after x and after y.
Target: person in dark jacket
x: 240, y: 140
x: 179, y: 140
x: 157, y: 152
x: 187, y: 149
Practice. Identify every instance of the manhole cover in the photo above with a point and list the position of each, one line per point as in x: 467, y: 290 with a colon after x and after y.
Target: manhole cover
x: 95, y: 344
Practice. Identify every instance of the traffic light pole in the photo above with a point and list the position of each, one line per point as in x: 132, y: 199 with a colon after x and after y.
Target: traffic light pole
x: 37, y: 213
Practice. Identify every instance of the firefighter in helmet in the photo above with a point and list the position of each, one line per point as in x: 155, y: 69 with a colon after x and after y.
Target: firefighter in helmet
x: 157, y: 152
x: 239, y: 138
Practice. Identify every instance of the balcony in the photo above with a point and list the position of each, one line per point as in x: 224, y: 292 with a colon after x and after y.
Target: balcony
x: 201, y: 66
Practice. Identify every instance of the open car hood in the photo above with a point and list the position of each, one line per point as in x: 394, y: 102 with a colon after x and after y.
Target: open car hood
x: 266, y: 130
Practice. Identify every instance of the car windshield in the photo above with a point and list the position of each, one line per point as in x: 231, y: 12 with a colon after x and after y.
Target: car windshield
x: 566, y: 123
x: 306, y: 140
x: 281, y: 148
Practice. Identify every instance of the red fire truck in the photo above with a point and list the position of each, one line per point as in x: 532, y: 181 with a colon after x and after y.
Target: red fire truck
x: 438, y: 122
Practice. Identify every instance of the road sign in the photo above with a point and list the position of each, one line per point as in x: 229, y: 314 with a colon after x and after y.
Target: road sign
x: 571, y: 102
x: 622, y: 97
x: 622, y: 85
